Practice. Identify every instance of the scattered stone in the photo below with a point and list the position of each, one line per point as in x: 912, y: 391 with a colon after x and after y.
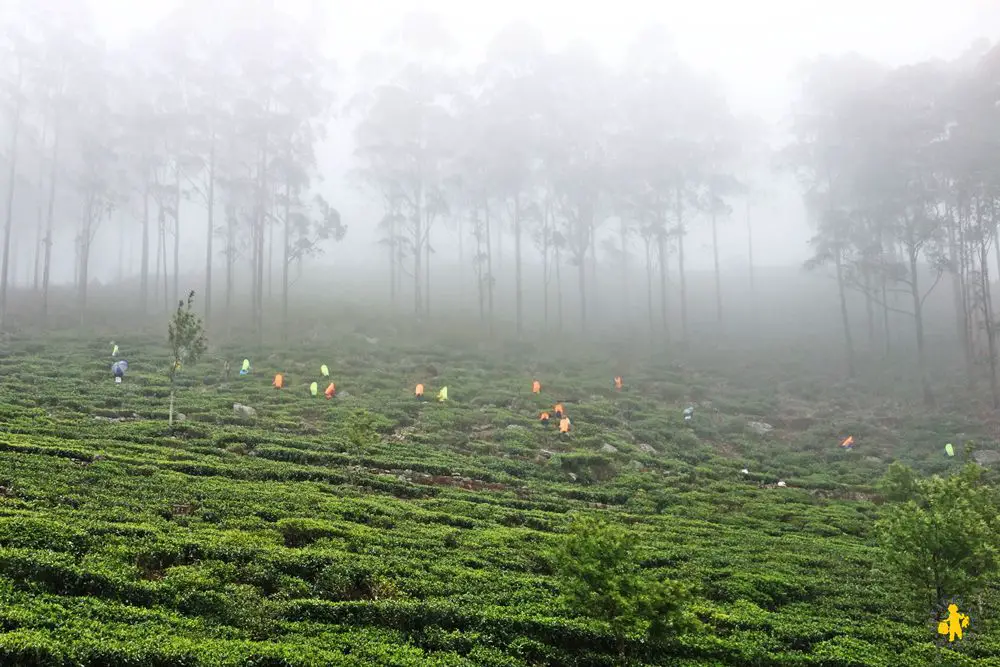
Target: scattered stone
x: 781, y: 483
x: 241, y: 410
x: 760, y: 428
x: 572, y: 476
x: 609, y: 449
x: 514, y: 427
x: 180, y: 416
x: 546, y: 453
x: 986, y: 457
x: 646, y: 449
x: 635, y: 465
x: 745, y: 471
x: 873, y: 459
x: 343, y: 394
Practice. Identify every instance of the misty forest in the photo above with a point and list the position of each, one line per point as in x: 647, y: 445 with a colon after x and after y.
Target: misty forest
x: 542, y: 359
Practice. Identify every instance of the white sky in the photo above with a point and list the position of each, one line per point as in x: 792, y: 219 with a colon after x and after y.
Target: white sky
x: 751, y: 46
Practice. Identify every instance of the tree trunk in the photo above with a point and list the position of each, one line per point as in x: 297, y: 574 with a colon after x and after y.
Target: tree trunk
x: 869, y: 307
x: 489, y: 265
x: 177, y: 235
x: 144, y: 268
x: 518, y: 293
x: 918, y: 321
x: 11, y: 182
x: 285, y: 262
x: 427, y: 269
x: 163, y: 250
x: 626, y: 292
x: 988, y: 317
x: 418, y: 251
x: 392, y: 260
x: 559, y: 294
x: 718, y: 273
x: 230, y: 262
x: 680, y: 264
x: 210, y: 205
x: 848, y: 339
x: 36, y: 278
x: 649, y: 286
x: 49, y: 219
x: 661, y: 252
x: 958, y: 295
x: 546, y: 241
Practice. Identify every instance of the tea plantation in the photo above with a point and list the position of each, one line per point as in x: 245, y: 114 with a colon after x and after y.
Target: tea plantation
x: 373, y: 529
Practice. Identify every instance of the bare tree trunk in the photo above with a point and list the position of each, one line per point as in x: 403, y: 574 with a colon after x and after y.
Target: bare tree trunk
x: 848, y: 339
x: 210, y: 206
x: 50, y: 217
x: 626, y: 292
x: 177, y: 235
x: 230, y: 261
x: 490, y: 283
x: 41, y: 198
x: 159, y: 252
x: 958, y: 294
x: 427, y: 268
x: 559, y: 294
x: 988, y: 317
x: 121, y: 248
x: 163, y: 251
x: 418, y: 251
x: 286, y: 260
x: 392, y: 260
x: 546, y: 241
x: 11, y: 182
x: 649, y: 286
x: 869, y: 307
x: 518, y: 293
x: 918, y: 320
x: 718, y: 272
x: 144, y: 269
x: 680, y: 263
x: 661, y: 252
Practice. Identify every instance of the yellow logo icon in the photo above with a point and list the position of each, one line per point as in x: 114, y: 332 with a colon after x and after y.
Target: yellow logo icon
x: 952, y: 626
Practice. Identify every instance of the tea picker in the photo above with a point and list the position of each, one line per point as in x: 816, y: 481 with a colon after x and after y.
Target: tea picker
x: 118, y: 370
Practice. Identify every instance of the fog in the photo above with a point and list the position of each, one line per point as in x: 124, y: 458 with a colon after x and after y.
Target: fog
x: 676, y: 167
x: 751, y: 52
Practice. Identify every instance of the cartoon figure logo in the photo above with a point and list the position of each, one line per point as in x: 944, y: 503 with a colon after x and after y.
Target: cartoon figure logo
x: 952, y: 626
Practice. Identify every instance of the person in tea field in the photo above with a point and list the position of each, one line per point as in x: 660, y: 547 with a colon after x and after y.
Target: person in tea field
x: 544, y: 418
x: 118, y: 370
x: 330, y: 391
x: 564, y: 425
x: 952, y: 626
x: 418, y: 393
x: 559, y: 411
x: 536, y: 387
x: 245, y: 368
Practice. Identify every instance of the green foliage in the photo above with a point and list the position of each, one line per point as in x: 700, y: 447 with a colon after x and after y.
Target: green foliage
x: 600, y: 578
x: 899, y: 483
x: 186, y: 336
x: 942, y: 540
